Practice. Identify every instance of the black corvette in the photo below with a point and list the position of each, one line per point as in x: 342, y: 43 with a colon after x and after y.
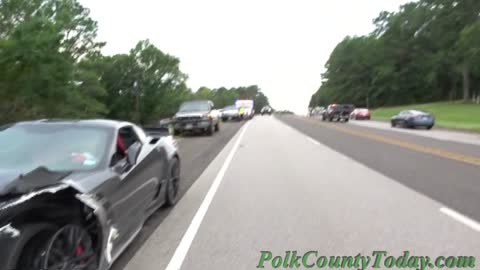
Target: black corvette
x: 74, y: 194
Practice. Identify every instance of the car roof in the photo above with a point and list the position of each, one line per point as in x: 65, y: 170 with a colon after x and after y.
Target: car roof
x: 114, y: 124
x: 416, y: 112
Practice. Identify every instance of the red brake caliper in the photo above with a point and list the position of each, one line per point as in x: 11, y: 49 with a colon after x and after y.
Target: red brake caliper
x: 79, y: 250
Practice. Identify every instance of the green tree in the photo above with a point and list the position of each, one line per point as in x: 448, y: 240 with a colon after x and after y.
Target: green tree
x: 39, y: 71
x: 424, y: 52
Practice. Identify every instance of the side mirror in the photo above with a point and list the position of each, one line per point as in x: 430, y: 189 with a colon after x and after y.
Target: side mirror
x: 132, y: 153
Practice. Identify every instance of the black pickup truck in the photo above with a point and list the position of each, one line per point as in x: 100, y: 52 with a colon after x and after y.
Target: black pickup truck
x: 338, y: 112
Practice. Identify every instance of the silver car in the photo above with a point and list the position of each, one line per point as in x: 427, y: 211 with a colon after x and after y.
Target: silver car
x: 413, y: 119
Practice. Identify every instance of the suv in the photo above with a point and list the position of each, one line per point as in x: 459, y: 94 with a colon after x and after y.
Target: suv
x: 338, y: 112
x: 196, y: 116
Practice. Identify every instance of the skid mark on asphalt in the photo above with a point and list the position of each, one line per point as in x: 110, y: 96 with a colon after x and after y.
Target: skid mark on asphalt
x: 408, y: 145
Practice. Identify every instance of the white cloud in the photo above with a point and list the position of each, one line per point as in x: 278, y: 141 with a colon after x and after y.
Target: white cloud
x: 280, y: 45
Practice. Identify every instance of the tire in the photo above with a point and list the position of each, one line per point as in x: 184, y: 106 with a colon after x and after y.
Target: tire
x: 173, y: 184
x: 346, y: 120
x: 210, y: 130
x: 392, y: 123
x: 430, y: 127
x: 32, y: 240
x: 79, y: 254
x: 217, y: 127
x: 42, y: 251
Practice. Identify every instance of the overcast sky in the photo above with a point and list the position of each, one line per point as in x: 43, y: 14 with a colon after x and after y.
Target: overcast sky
x: 280, y: 45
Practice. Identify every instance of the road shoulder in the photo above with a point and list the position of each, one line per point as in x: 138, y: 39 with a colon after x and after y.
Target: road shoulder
x: 161, y: 245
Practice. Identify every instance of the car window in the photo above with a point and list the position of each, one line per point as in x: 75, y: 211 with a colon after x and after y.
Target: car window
x: 228, y: 108
x: 195, y: 106
x: 141, y: 134
x: 58, y: 147
x: 126, y: 137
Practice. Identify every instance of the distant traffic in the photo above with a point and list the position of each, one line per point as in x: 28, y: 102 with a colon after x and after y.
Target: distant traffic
x: 345, y: 112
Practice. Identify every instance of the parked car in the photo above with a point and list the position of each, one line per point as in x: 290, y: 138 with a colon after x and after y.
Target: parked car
x: 338, y: 112
x: 230, y: 113
x: 317, y: 111
x: 245, y: 108
x: 74, y: 194
x: 412, y: 119
x: 196, y: 116
x: 266, y: 110
x: 360, y: 114
x: 165, y: 123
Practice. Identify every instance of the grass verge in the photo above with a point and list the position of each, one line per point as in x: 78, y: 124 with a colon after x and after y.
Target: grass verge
x: 452, y: 115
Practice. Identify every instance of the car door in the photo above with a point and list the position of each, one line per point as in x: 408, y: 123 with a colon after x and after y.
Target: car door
x: 137, y: 185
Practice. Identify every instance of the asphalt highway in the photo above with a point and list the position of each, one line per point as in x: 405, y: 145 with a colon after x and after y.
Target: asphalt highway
x: 196, y: 152
x: 293, y: 183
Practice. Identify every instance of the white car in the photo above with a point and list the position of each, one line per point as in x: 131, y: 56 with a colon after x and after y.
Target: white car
x: 230, y: 113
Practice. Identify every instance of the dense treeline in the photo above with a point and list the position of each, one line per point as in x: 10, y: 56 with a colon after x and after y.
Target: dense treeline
x: 427, y: 51
x: 51, y: 67
x: 223, y: 97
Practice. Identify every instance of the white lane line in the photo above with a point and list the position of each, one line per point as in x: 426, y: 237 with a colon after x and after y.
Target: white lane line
x: 461, y: 218
x: 182, y: 249
x: 313, y: 141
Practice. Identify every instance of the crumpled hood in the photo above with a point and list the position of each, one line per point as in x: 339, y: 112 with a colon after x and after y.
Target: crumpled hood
x: 17, y: 182
x: 191, y: 114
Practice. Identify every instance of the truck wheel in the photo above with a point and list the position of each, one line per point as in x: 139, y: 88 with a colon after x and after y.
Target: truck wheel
x: 210, y: 130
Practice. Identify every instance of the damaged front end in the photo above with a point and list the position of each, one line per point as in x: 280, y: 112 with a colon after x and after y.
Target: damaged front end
x: 28, y: 211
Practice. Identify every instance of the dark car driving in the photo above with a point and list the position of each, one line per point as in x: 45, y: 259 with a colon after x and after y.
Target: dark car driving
x: 413, y: 119
x: 74, y: 194
x: 338, y: 112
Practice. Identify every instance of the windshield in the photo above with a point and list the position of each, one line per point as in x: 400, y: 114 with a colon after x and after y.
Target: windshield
x: 194, y: 107
x: 230, y: 108
x: 56, y: 147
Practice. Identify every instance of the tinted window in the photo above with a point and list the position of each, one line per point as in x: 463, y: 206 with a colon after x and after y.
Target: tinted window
x: 128, y: 136
x: 58, y: 147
